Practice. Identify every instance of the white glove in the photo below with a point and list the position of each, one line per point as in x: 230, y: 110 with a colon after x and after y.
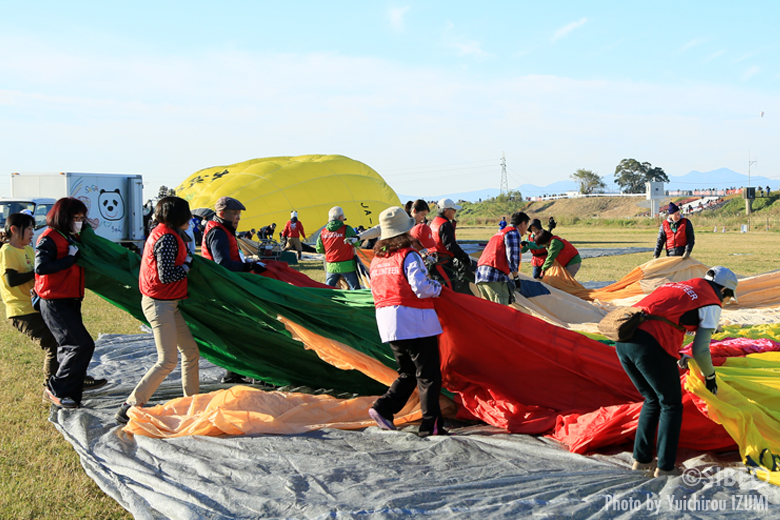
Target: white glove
x: 261, y: 264
x: 188, y: 260
x: 72, y: 250
x: 351, y: 240
x: 683, y: 361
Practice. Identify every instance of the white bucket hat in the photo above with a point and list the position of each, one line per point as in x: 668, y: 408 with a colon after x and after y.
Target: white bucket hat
x: 336, y: 212
x: 394, y: 221
x: 294, y: 214
x: 448, y: 204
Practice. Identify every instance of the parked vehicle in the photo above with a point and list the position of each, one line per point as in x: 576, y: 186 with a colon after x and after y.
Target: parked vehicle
x: 114, y: 201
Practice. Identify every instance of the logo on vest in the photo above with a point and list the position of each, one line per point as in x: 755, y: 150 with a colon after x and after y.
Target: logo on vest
x: 686, y: 288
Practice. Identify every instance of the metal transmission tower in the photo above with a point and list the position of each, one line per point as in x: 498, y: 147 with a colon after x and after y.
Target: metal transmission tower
x: 504, y: 188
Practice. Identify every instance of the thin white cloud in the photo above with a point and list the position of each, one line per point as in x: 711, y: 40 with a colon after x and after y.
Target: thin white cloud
x: 750, y: 72
x: 714, y: 55
x: 566, y: 29
x: 397, y: 17
x: 745, y: 56
x: 462, y: 45
x: 692, y: 43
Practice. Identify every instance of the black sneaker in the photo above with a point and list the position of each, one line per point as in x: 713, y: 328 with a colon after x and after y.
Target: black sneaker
x: 90, y: 383
x: 59, y: 402
x: 437, y: 430
x: 235, y: 379
x: 121, y: 414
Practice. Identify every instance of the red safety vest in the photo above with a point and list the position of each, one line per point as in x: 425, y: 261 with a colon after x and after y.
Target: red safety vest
x: 494, y: 254
x: 204, y: 250
x: 567, y: 253
x: 389, y: 284
x: 68, y: 283
x: 678, y: 239
x: 671, y: 301
x: 440, y: 249
x: 335, y: 248
x: 538, y: 256
x: 149, y: 278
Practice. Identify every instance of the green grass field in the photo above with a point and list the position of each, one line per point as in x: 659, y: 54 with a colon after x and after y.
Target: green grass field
x: 40, y: 474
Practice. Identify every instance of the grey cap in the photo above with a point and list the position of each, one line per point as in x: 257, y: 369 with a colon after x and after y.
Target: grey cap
x: 225, y: 203
x: 723, y: 276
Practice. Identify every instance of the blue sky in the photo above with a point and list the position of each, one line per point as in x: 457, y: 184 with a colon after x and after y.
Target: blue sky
x: 427, y: 93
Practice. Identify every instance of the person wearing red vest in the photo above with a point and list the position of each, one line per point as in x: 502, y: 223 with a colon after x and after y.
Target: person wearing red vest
x: 561, y: 250
x: 59, y: 282
x: 292, y: 233
x: 337, y: 242
x: 220, y: 245
x: 538, y: 253
x: 652, y: 356
x: 453, y: 266
x: 406, y: 319
x: 162, y: 279
x: 675, y: 235
x: 499, y: 263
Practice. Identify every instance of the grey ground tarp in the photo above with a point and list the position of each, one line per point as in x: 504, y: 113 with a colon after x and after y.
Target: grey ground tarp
x: 478, y: 473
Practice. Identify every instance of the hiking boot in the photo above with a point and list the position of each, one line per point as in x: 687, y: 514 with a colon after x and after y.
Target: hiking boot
x: 121, y: 414
x: 90, y: 383
x: 381, y: 421
x: 674, y: 472
x: 59, y: 402
x: 641, y: 466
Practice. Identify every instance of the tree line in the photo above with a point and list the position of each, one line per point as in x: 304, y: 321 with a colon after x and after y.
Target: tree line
x: 630, y: 175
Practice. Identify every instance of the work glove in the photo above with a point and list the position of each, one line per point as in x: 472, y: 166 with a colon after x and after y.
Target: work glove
x: 524, y: 243
x: 188, y: 260
x: 351, y: 240
x: 683, y: 361
x: 72, y: 250
x: 686, y: 255
x: 259, y: 267
x: 712, y: 385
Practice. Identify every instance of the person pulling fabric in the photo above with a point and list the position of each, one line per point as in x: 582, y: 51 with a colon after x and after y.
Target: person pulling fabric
x: 558, y: 249
x: 652, y: 356
x: 675, y: 235
x: 453, y: 267
x: 337, y: 242
x: 499, y: 263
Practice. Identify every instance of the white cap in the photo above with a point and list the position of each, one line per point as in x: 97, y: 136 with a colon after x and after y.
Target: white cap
x: 723, y: 276
x: 335, y: 212
x: 294, y: 214
x: 448, y: 204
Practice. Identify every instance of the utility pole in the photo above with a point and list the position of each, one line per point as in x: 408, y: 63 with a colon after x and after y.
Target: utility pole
x: 504, y: 188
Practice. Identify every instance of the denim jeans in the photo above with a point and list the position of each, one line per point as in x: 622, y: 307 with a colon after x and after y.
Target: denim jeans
x: 655, y: 374
x: 332, y: 279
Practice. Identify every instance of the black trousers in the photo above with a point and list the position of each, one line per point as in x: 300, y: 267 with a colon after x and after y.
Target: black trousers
x: 418, y: 367
x: 74, y: 346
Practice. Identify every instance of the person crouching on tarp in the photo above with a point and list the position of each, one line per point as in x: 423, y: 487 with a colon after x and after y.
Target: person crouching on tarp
x: 220, y: 245
x: 407, y: 320
x: 651, y: 357
x: 675, y: 235
x: 538, y: 253
x: 500, y: 261
x: 163, y: 283
x: 337, y: 242
x: 558, y: 249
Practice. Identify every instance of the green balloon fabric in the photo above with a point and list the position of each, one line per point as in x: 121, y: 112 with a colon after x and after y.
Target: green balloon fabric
x: 233, y: 318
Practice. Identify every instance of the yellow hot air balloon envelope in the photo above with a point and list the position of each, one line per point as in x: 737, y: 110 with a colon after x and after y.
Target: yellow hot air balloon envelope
x: 271, y: 188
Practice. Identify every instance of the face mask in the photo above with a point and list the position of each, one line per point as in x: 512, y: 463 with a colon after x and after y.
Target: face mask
x: 77, y: 227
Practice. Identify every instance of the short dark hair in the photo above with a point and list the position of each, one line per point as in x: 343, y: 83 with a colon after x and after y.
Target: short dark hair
x: 172, y: 211
x: 543, y: 237
x: 61, y: 215
x: 518, y: 217
x: 388, y: 246
x: 20, y: 220
x: 418, y: 206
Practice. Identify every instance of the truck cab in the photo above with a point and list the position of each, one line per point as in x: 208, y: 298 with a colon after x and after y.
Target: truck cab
x: 39, y: 207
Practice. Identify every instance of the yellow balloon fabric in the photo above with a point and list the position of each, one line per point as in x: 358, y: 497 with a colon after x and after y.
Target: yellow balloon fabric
x: 271, y: 188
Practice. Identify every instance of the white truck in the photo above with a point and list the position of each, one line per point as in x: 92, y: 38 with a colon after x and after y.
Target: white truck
x: 114, y: 201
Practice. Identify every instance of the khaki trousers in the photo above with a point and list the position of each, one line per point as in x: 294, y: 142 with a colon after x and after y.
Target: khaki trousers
x: 494, y: 291
x: 171, y: 333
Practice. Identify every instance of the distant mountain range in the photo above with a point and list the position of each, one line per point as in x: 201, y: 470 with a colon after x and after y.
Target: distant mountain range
x: 720, y: 178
